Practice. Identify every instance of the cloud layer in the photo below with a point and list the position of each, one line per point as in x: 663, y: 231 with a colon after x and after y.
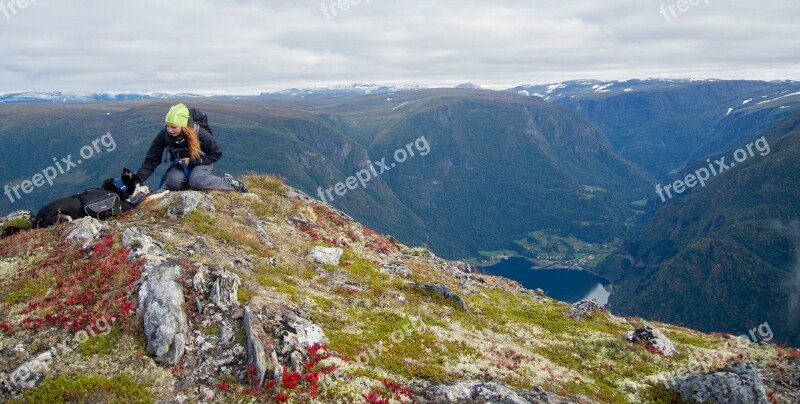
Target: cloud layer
x: 249, y: 46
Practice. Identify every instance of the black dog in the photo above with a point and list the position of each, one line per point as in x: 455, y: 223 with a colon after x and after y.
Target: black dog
x: 127, y: 188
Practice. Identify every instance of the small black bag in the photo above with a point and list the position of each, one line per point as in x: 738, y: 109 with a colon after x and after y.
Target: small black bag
x: 100, y: 203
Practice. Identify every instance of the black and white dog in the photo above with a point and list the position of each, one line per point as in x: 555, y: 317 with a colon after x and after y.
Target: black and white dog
x: 127, y: 188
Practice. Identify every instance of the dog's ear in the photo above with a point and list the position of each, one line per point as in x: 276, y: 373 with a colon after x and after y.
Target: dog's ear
x: 127, y: 173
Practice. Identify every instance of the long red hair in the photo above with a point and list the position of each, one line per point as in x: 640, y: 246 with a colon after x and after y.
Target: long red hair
x: 193, y: 140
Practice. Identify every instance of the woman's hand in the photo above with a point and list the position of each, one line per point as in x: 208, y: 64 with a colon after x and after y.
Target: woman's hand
x: 184, y: 162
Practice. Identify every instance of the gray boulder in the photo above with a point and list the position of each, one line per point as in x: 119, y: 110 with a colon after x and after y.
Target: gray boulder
x: 488, y: 392
x: 224, y: 290
x: 477, y: 392
x: 446, y: 292
x: 86, y: 229
x: 182, y: 204
x: 141, y: 245
x: 284, y: 334
x: 31, y: 373
x: 584, y: 309
x: 741, y: 384
x: 256, y: 354
x: 300, y: 333
x: 324, y: 255
x: 654, y: 338
x: 397, y: 268
x: 262, y: 233
x: 161, y: 298
x: 161, y: 307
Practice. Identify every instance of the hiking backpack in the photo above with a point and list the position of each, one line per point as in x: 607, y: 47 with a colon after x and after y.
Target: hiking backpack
x: 100, y: 204
x: 199, y: 118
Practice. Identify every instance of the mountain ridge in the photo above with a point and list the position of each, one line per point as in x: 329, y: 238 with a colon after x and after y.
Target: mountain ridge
x: 697, y: 249
x: 283, y: 298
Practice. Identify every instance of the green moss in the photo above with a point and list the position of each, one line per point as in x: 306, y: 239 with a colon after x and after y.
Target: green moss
x: 281, y: 283
x: 271, y: 184
x: 600, y: 323
x: 18, y: 222
x: 261, y: 209
x: 212, y: 328
x: 363, y: 271
x: 660, y: 394
x: 605, y: 362
x: 85, y: 388
x: 339, y: 391
x: 31, y: 289
x: 365, y: 372
x: 101, y: 344
x: 206, y: 224
x: 241, y: 336
x: 694, y: 339
x: 602, y: 392
x: 394, y: 344
x: 501, y: 309
x: 266, y: 280
x: 243, y: 296
x: 433, y: 321
x: 323, y: 304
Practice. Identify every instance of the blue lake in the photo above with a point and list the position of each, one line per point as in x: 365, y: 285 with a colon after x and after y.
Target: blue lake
x: 567, y: 285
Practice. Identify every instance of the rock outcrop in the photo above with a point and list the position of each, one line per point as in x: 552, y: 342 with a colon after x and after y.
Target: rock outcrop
x: 741, y: 384
x: 326, y: 256
x: 446, y: 292
x: 584, y: 309
x: 182, y: 204
x: 653, y: 338
x: 488, y: 392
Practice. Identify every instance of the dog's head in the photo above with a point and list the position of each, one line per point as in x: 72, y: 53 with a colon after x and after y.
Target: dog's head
x: 127, y: 186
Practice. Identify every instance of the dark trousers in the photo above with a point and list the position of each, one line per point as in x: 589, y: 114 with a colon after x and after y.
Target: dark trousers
x: 200, y: 179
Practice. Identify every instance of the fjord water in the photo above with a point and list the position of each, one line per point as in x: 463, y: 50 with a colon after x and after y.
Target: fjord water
x: 567, y: 285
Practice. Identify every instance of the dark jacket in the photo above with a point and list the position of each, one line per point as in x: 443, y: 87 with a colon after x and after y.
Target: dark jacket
x: 179, y: 148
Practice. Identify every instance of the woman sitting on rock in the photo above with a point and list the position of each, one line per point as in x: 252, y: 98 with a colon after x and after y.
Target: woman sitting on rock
x: 193, y: 151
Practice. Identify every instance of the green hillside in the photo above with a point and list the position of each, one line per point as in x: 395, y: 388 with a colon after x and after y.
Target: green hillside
x: 723, y: 257
x: 227, y: 302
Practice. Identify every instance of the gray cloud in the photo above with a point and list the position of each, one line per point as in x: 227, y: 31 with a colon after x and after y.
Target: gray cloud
x: 214, y: 46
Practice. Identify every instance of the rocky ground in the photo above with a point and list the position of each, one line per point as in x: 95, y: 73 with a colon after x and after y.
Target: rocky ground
x: 273, y: 296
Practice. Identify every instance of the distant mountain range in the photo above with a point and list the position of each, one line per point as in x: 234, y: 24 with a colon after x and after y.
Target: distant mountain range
x: 353, y: 90
x: 571, y: 90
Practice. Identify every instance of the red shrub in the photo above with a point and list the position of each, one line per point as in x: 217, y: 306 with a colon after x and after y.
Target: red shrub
x: 91, y: 286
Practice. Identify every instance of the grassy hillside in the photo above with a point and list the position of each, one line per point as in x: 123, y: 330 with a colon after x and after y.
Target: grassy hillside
x: 388, y: 336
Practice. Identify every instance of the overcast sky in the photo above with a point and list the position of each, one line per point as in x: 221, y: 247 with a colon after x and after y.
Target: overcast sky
x: 249, y: 46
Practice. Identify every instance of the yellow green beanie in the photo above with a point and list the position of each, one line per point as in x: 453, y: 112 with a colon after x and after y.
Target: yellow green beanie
x: 178, y: 115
